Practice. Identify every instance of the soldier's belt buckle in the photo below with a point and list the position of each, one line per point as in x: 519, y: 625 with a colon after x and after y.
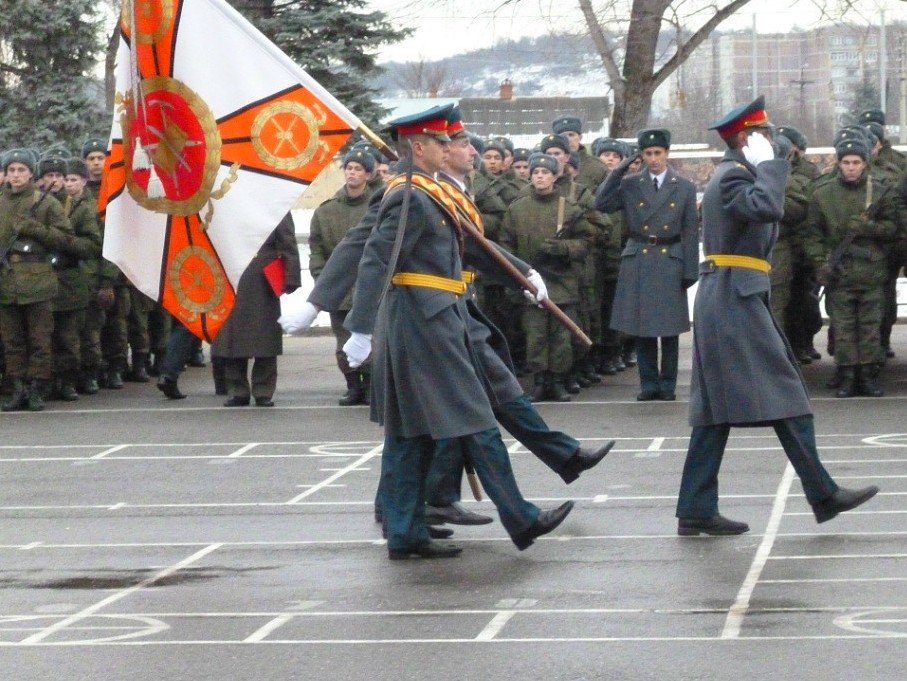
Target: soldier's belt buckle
x: 653, y: 240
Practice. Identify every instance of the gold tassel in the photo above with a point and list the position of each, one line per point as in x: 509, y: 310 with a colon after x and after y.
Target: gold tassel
x: 140, y: 158
x: 155, y: 188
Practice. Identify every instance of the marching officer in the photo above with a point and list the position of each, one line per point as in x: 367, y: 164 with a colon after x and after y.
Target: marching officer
x: 744, y: 373
x: 659, y: 262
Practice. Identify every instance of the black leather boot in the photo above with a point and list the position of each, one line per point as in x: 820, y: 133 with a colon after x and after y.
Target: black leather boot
x: 90, y: 382
x: 353, y: 394
x: 570, y: 384
x: 540, y: 388
x: 139, y: 371
x: 559, y: 391
x: 67, y: 390
x: 868, y: 382
x: 36, y: 396
x: 848, y: 382
x: 835, y: 381
x: 114, y: 378
x: 18, y: 399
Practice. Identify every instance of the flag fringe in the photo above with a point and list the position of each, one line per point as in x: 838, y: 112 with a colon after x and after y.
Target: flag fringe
x: 140, y: 158
x: 155, y: 188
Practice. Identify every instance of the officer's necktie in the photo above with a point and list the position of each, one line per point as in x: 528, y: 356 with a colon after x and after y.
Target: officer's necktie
x: 655, y: 183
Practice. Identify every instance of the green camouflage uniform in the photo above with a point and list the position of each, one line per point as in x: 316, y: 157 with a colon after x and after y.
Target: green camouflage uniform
x: 784, y: 251
x: 529, y: 231
x: 855, y: 300
x: 28, y: 284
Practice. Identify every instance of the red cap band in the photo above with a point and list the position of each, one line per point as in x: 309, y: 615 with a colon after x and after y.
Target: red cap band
x: 435, y: 126
x: 751, y: 120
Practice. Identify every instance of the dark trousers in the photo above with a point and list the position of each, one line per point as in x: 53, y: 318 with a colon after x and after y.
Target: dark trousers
x: 264, y: 376
x: 66, y: 340
x: 27, y: 347
x: 114, y: 334
x: 404, y: 468
x: 519, y: 418
x: 698, y: 496
x: 180, y: 348
x: 651, y: 379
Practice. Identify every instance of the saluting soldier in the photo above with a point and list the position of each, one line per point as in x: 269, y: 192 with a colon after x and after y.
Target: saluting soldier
x: 427, y: 385
x: 330, y: 223
x: 32, y: 226
x: 856, y: 219
x: 887, y: 152
x: 659, y: 262
x: 744, y: 373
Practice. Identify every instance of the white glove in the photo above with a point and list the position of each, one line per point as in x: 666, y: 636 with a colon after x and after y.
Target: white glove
x: 300, y: 319
x: 536, y: 280
x: 357, y: 349
x: 758, y: 149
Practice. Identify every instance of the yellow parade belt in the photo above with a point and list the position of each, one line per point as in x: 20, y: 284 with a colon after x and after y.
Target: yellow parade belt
x: 456, y: 286
x: 468, y: 277
x: 744, y: 261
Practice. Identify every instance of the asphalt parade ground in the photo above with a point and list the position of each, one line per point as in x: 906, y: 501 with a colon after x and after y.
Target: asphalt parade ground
x: 145, y: 539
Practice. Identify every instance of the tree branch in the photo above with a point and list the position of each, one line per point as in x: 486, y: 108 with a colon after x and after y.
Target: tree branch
x: 685, y: 50
x: 604, y: 45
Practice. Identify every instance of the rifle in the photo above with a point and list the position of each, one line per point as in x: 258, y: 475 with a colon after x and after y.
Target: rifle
x: 4, y: 253
x: 835, y: 264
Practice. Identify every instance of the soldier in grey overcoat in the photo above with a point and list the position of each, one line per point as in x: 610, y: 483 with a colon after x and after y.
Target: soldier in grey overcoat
x: 428, y: 385
x: 251, y: 330
x: 744, y: 372
x: 659, y: 262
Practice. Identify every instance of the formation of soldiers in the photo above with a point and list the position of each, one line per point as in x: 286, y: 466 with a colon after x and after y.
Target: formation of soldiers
x: 70, y: 322
x: 540, y: 204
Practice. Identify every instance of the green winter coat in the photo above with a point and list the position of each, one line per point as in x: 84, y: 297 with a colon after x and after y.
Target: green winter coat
x: 592, y: 172
x: 330, y: 223
x: 32, y: 225
x: 76, y: 267
x: 837, y: 208
x: 529, y: 231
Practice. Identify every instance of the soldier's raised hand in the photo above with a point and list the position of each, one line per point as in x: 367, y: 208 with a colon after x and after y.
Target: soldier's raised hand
x: 758, y: 149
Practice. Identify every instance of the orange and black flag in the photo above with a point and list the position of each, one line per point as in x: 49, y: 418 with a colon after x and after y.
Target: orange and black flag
x: 216, y: 134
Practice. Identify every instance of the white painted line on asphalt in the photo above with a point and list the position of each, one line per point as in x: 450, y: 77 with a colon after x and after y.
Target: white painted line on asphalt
x: 119, y: 595
x: 347, y: 469
x: 869, y: 477
x: 852, y: 513
x: 242, y: 450
x: 336, y: 485
x: 654, y: 450
x: 116, y: 506
x: 741, y: 604
x: 29, y: 547
x: 262, y: 633
x: 514, y: 448
x: 841, y: 556
x: 118, y: 448
x: 375, y: 451
x: 493, y: 628
x: 828, y: 580
x: 599, y: 498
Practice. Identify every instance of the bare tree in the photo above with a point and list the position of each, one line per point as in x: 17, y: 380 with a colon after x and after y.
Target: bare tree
x: 421, y: 78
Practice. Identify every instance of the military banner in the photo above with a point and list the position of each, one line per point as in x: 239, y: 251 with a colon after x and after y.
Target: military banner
x: 216, y: 134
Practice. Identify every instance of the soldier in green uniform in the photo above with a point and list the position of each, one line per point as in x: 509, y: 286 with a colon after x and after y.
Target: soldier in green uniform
x: 592, y: 171
x: 550, y: 233
x: 783, y: 253
x: 94, y: 153
x: 520, y: 165
x: 851, y: 221
x: 75, y: 292
x: 32, y: 225
x: 330, y: 222
x: 51, y: 174
x: 887, y: 153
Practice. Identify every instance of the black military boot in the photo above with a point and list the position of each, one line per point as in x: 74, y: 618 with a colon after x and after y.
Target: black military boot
x: 848, y: 382
x: 539, y: 388
x: 868, y: 381
x: 629, y: 358
x: 36, y: 396
x: 579, y: 378
x: 589, y: 372
x: 114, y: 378
x: 67, y: 390
x: 139, y: 372
x: 90, y: 382
x: 559, y: 390
x: 353, y: 394
x: 366, y: 386
x: 6, y: 385
x: 607, y: 367
x: 570, y: 384
x: 835, y: 381
x: 218, y: 373
x: 155, y: 367
x: 18, y: 399
x: 198, y: 359
x: 619, y: 363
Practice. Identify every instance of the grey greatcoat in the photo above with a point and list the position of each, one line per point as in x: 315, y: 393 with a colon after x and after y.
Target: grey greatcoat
x: 744, y: 372
x: 430, y: 376
x: 651, y: 299
x: 252, y: 330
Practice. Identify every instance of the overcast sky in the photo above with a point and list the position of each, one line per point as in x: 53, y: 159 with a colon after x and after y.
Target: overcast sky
x: 446, y: 27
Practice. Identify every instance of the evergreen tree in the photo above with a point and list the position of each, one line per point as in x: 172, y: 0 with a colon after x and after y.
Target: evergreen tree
x: 866, y: 96
x: 333, y: 40
x: 47, y: 92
